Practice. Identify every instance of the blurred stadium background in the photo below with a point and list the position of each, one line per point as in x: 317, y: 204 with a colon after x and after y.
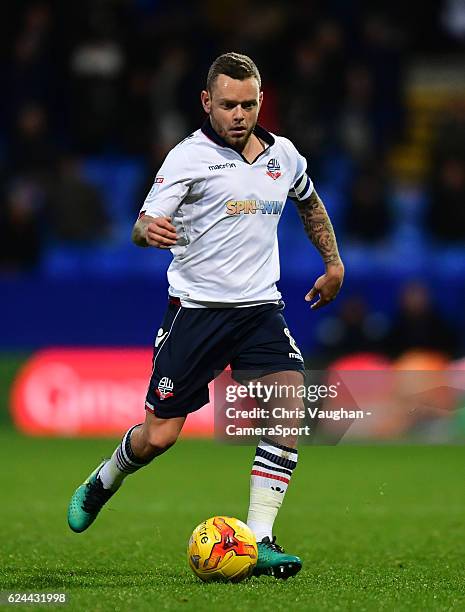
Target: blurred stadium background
x: 97, y: 92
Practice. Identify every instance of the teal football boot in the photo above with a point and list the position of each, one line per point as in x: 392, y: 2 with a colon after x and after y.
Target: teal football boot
x: 87, y: 501
x: 273, y: 561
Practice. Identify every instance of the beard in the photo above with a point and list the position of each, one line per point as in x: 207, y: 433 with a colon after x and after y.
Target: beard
x: 238, y: 142
x: 235, y: 141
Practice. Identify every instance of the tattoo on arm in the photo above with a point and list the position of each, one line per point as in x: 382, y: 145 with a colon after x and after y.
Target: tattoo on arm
x: 318, y: 227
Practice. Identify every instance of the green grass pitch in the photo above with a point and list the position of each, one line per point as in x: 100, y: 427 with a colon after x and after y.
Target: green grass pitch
x: 378, y: 528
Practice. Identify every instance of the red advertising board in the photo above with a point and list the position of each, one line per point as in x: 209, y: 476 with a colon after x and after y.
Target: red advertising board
x: 89, y: 392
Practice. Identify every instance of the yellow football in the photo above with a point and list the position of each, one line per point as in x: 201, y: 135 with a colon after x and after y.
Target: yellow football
x: 222, y: 548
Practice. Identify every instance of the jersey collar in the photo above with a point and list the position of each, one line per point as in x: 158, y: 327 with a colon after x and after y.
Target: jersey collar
x: 259, y: 131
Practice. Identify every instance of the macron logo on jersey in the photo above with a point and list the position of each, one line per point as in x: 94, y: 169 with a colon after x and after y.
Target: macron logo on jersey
x: 250, y: 207
x: 222, y: 166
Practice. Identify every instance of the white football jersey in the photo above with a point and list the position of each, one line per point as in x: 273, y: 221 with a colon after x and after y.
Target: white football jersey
x: 226, y: 213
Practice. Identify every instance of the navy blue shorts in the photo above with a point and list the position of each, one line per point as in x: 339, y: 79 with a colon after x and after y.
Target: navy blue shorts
x: 194, y: 344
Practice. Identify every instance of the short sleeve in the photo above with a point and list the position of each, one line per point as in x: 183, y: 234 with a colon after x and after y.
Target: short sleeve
x: 302, y: 184
x: 170, y: 186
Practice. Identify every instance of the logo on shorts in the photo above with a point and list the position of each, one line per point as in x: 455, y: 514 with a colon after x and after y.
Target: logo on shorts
x: 273, y: 169
x: 161, y: 335
x: 159, y: 179
x: 165, y: 388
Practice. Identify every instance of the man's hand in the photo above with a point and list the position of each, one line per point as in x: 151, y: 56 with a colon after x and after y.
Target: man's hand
x: 154, y: 231
x: 161, y: 233
x: 327, y: 286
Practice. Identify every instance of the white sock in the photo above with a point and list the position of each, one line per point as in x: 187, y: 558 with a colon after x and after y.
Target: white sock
x: 271, y: 472
x: 122, y: 463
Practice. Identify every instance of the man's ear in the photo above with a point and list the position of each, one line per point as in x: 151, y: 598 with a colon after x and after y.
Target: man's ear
x: 206, y: 101
x: 260, y: 100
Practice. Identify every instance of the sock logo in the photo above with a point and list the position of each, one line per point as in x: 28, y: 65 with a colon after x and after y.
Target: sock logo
x: 165, y: 388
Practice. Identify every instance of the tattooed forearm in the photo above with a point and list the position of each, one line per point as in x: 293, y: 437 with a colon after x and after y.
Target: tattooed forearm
x: 319, y: 228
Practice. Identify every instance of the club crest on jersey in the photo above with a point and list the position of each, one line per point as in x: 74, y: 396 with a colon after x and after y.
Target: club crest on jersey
x: 273, y: 169
x: 165, y: 388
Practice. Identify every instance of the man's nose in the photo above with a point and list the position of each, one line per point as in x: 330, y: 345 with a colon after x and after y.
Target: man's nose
x: 238, y: 113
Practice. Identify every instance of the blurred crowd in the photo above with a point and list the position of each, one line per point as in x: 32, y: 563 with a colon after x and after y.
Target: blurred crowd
x: 417, y: 323
x: 121, y: 78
